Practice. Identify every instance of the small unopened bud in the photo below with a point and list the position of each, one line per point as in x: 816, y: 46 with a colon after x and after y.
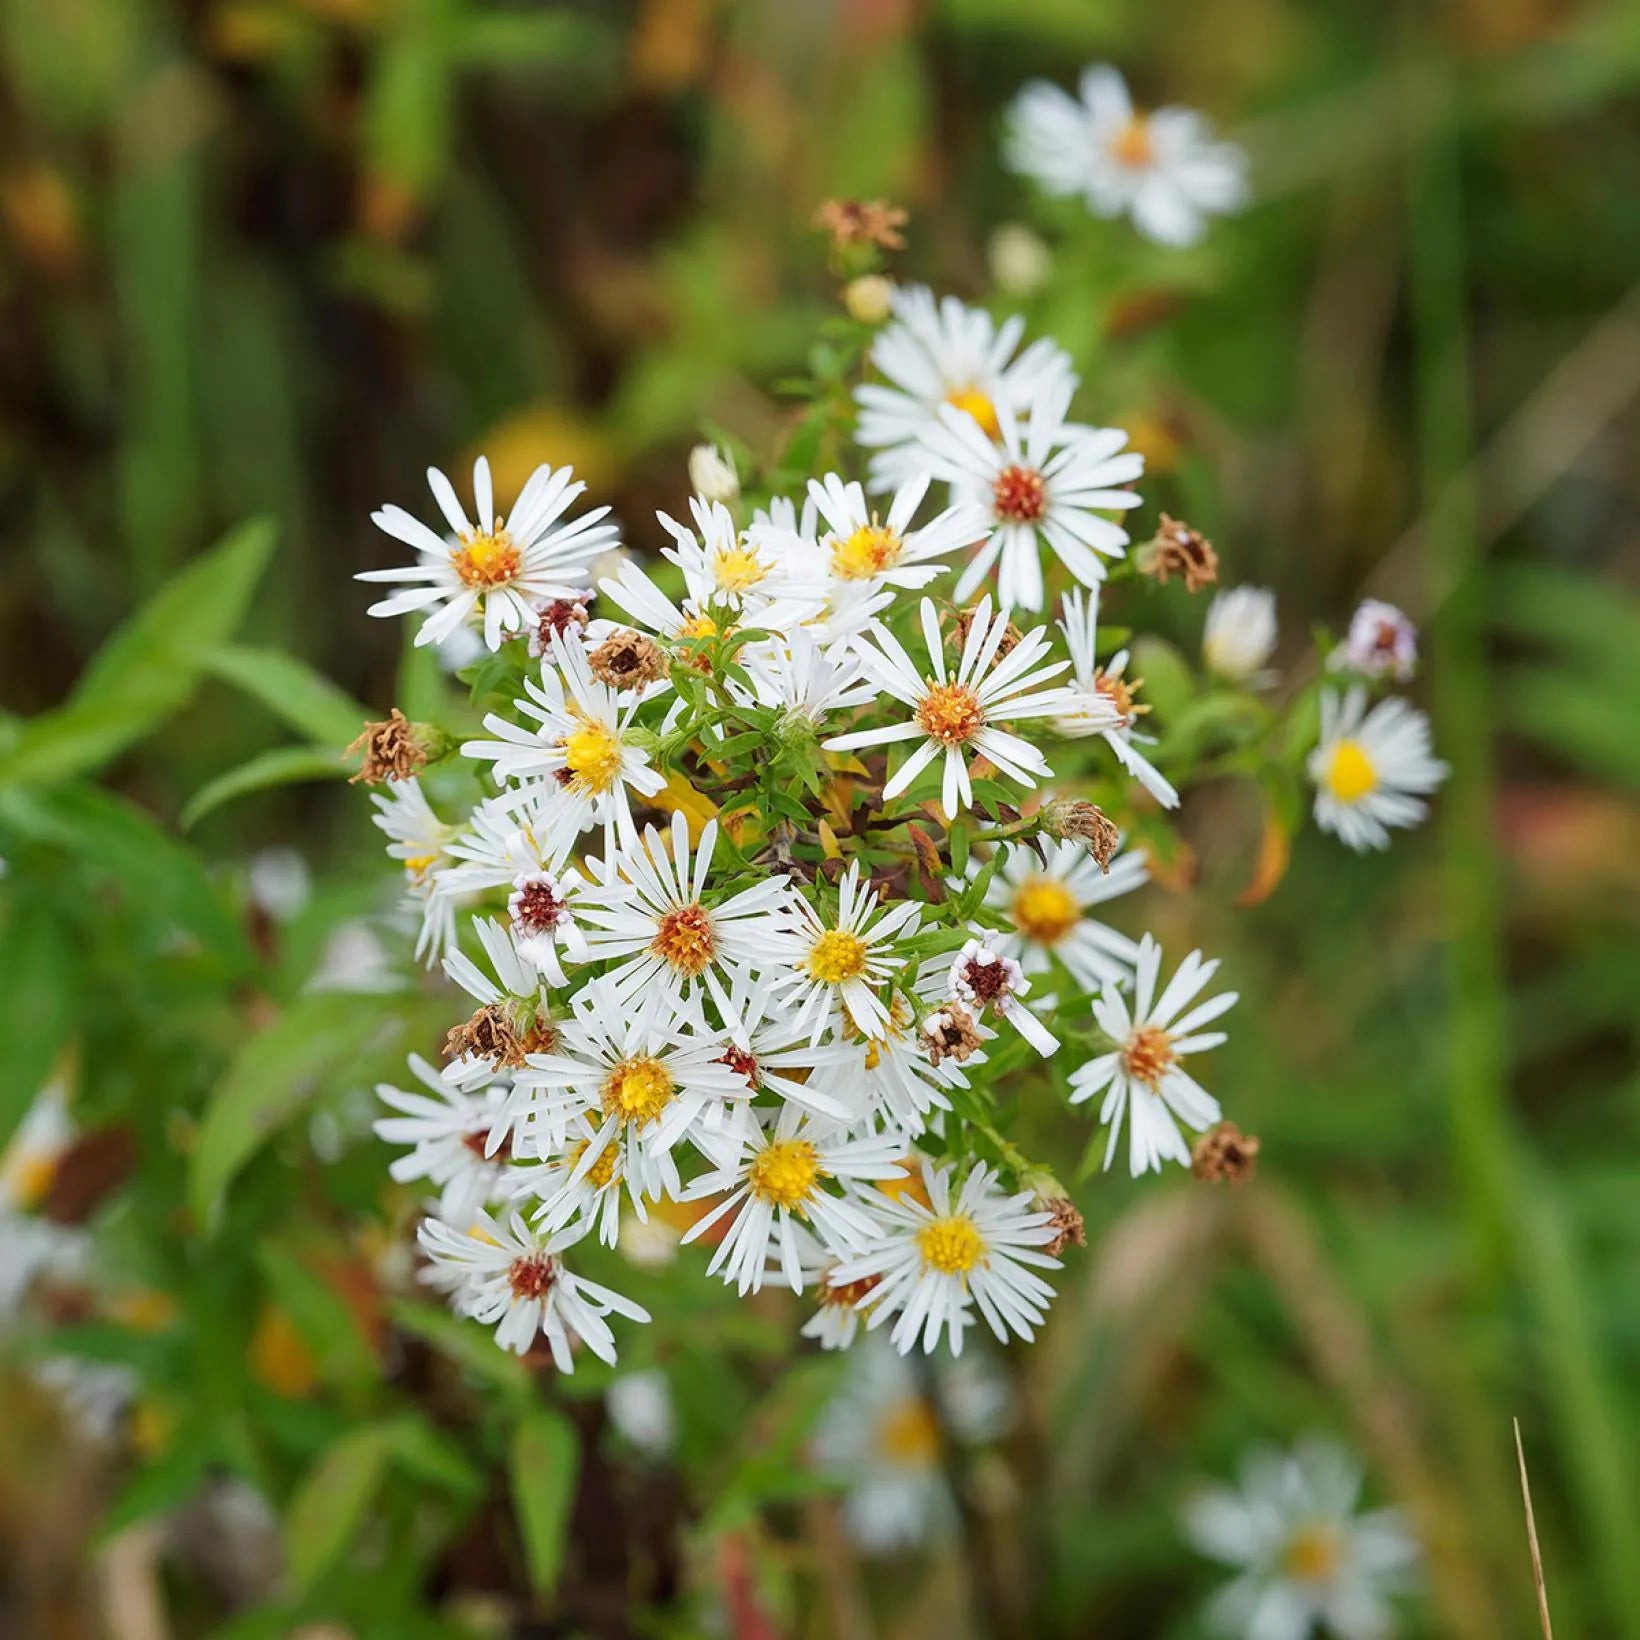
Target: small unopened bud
x: 1020, y: 260
x: 1176, y: 549
x: 712, y: 474
x: 394, y: 749
x: 794, y: 731
x: 869, y: 299
x: 627, y: 660
x: 1076, y: 817
x: 950, y: 1032
x: 1224, y: 1154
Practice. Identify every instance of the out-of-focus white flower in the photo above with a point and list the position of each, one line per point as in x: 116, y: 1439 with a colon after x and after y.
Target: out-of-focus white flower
x: 1164, y: 169
x: 712, y: 474
x: 1305, y: 1559
x: 279, y: 882
x: 1021, y: 262
x: 861, y: 546
x: 640, y: 1408
x: 1382, y: 643
x: 419, y: 840
x: 1240, y: 634
x: 1371, y: 769
x: 354, y: 959
x: 458, y: 1140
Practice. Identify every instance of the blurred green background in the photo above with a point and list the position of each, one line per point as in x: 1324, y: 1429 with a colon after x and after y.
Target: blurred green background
x: 274, y: 257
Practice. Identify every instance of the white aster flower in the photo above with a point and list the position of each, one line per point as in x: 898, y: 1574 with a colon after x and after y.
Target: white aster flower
x: 959, y: 715
x: 743, y: 572
x: 1371, y: 769
x: 1102, y: 701
x: 515, y: 1281
x: 650, y: 911
x: 1306, y: 1559
x: 1143, y: 1077
x: 421, y: 842
x: 712, y: 474
x: 279, y: 883
x: 1046, y: 896
x: 945, y: 353
x: 862, y: 546
x: 1164, y: 169
x: 640, y: 1408
x: 774, y: 1181
x: 582, y: 740
x: 982, y: 978
x: 805, y: 677
x: 935, y: 1263
x: 1382, y: 643
x: 837, y: 968
x: 501, y: 568
x: 1240, y: 634
x: 458, y: 1140
x: 581, y: 1180
x: 1042, y: 482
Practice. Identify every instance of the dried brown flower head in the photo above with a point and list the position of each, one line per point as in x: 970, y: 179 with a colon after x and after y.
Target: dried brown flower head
x: 1068, y: 1228
x: 965, y: 619
x: 627, y: 660
x: 392, y: 750
x: 1176, y: 549
x: 490, y: 1034
x: 862, y: 222
x: 1076, y: 817
x: 1224, y: 1154
x: 950, y: 1033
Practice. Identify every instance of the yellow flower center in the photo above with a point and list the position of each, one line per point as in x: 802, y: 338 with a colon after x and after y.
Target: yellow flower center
x: 638, y: 1090
x: 738, y: 569
x: 1132, y: 146
x: 592, y: 756
x: 1045, y: 910
x: 602, y: 1170
x: 31, y: 1177
x: 837, y: 956
x: 418, y: 865
x: 1350, y: 773
x: 952, y: 1245
x: 869, y: 551
x: 698, y: 626
x: 784, y: 1173
x: 684, y: 940
x: 979, y: 406
x: 488, y: 559
x: 1148, y: 1053
x: 1313, y: 1554
x: 1120, y: 693
x: 951, y: 714
x: 908, y: 1434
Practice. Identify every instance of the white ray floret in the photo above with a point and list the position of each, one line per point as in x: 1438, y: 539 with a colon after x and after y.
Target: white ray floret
x: 864, y: 548
x: 1143, y: 1078
x: 421, y: 842
x: 449, y: 1132
x: 1372, y: 769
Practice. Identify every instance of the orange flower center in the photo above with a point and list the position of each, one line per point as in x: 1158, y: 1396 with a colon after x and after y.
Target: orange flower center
x: 1131, y: 146
x: 1148, y: 1054
x: 684, y: 941
x: 487, y: 559
x: 1019, y: 495
x: 951, y: 714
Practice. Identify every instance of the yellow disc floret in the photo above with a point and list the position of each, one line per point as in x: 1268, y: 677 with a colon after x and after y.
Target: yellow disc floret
x: 592, y: 757
x: 952, y: 1245
x: 868, y: 551
x: 908, y: 1434
x: 1350, y: 772
x: 951, y: 714
x: 1132, y: 145
x: 738, y: 569
x: 1148, y: 1054
x: 486, y: 560
x: 978, y: 405
x: 1045, y: 910
x: 602, y: 1170
x: 1313, y: 1553
x: 638, y: 1089
x: 784, y: 1172
x: 836, y: 956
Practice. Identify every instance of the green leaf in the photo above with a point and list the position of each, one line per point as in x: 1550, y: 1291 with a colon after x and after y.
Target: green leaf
x: 544, y: 1463
x: 157, y: 1487
x: 148, y: 669
x: 466, y: 1343
x: 423, y: 1451
x: 321, y: 1316
x: 292, y: 690
x: 331, y: 1501
x: 37, y: 958
x: 273, y: 1077
x: 283, y: 766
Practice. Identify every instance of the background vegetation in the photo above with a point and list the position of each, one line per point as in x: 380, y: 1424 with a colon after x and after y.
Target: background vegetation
x: 269, y: 258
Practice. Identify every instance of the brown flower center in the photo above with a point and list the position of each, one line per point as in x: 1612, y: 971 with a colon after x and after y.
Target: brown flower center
x: 1148, y: 1054
x: 532, y: 1275
x: 1019, y: 495
x: 684, y: 940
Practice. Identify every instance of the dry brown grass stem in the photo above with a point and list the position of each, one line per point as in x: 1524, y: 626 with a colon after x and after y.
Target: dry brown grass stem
x: 1532, y: 1540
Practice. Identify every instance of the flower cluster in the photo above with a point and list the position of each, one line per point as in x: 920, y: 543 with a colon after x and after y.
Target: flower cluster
x: 779, y: 858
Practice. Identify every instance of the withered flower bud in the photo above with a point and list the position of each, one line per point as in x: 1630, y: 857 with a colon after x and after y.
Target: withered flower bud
x: 490, y: 1034
x: 965, y: 619
x: 1176, y: 549
x: 557, y: 619
x: 1224, y: 1154
x: 862, y: 222
x: 1076, y: 817
x: 627, y: 660
x: 394, y: 749
x: 950, y: 1032
x: 1068, y: 1228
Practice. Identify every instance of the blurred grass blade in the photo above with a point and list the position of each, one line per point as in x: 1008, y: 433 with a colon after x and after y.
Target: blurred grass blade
x: 330, y: 1503
x: 283, y: 766
x: 37, y: 962
x: 545, y: 1462
x: 293, y: 691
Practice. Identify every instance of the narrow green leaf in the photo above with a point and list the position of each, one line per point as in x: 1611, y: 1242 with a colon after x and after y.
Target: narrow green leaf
x: 321, y: 1316
x: 292, y: 690
x: 544, y: 1463
x: 37, y: 960
x: 283, y: 766
x: 423, y: 1451
x: 330, y: 1503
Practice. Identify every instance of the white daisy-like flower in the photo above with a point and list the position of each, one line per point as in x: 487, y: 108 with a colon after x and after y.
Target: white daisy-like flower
x: 902, y: 1084
x: 1305, y: 1559
x: 959, y: 715
x: 862, y: 546
x: 650, y: 912
x: 640, y: 1403
x: 804, y: 677
x: 29, y: 1162
x: 773, y: 1181
x: 500, y: 568
x: 632, y: 591
x: 881, y: 1438
x: 838, y: 967
x: 518, y: 992
x: 1164, y: 169
x: 642, y: 1073
x: 1240, y: 634
x: 712, y: 474
x: 942, y: 353
x: 1046, y: 896
x: 935, y: 1263
x: 510, y: 1278
x: 1102, y: 699
x: 580, y: 1180
x: 983, y: 978
x: 1382, y: 643
x: 1143, y: 1077
x: 421, y: 842
x: 744, y: 572
x: 449, y: 1132
x: 1372, y: 769
x: 582, y: 740
x: 1042, y: 482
